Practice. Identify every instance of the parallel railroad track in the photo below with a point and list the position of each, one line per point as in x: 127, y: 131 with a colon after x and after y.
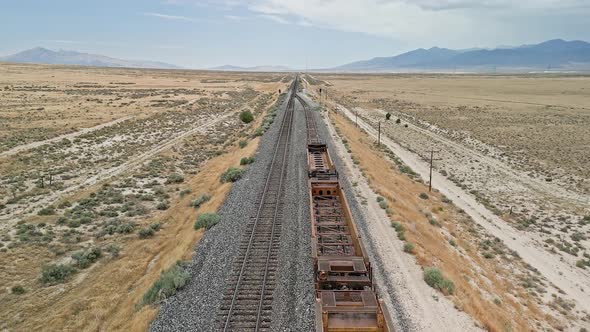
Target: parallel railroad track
x: 312, y: 130
x: 247, y: 302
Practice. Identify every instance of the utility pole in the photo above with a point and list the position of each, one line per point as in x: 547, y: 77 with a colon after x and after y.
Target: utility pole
x: 432, y: 152
x: 356, y: 119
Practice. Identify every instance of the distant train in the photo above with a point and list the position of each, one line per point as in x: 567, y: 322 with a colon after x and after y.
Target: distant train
x: 345, y: 294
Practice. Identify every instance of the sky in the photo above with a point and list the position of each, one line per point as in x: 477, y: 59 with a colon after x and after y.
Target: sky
x: 294, y: 33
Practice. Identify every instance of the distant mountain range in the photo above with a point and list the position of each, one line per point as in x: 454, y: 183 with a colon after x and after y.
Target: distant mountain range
x: 257, y: 68
x: 554, y: 54
x: 62, y: 57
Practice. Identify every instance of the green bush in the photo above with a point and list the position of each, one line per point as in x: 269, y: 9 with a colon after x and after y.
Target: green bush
x: 259, y: 132
x: 435, y: 279
x: 423, y: 195
x: 383, y: 204
x: 125, y: 228
x: 387, y: 116
x: 155, y: 226
x: 18, y: 290
x: 113, y: 249
x: 247, y: 160
x: 163, y: 205
x: 56, y: 273
x: 243, y: 144
x: 409, y: 247
x: 175, y: 178
x: 232, y: 174
x: 46, y: 211
x: 85, y: 258
x: 144, y: 233
x: 207, y: 220
x: 246, y: 117
x: 171, y: 280
x: 185, y: 192
x: 197, y: 202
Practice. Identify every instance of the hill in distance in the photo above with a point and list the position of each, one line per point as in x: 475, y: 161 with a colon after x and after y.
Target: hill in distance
x: 553, y: 54
x: 42, y: 55
x: 253, y: 69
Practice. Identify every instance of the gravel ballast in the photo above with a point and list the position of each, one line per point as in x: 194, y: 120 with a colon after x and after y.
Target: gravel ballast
x: 196, y: 306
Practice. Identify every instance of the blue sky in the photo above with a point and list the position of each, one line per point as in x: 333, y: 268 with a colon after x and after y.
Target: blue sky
x: 321, y: 33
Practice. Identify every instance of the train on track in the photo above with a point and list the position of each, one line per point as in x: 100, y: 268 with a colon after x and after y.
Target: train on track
x: 346, y: 299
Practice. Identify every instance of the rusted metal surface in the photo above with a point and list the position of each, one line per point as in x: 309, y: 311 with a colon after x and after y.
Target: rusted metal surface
x: 346, y: 299
x: 247, y: 301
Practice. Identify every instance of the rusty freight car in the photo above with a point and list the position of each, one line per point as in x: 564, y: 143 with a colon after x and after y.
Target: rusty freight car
x: 346, y: 299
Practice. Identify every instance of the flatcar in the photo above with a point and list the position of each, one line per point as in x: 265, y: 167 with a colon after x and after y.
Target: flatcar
x: 345, y: 295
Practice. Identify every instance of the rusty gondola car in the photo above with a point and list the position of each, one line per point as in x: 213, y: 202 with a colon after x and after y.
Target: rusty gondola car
x: 345, y: 295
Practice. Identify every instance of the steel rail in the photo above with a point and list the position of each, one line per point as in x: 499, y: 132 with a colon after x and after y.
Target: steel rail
x: 277, y: 166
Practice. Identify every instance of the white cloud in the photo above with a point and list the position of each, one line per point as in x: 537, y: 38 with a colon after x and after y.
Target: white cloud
x: 235, y: 18
x: 275, y: 18
x: 61, y: 41
x: 170, y: 17
x: 453, y: 23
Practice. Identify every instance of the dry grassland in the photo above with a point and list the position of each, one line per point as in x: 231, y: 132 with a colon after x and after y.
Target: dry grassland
x: 106, y: 188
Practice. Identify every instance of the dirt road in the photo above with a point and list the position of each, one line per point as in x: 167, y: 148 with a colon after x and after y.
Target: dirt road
x: 80, y: 132
x: 574, y: 281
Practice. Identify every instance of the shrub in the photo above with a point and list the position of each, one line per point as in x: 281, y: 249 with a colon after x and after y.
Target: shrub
x: 163, y: 205
x: 383, y: 204
x: 171, y: 280
x: 113, y: 249
x: 409, y: 247
x: 185, y: 192
x: 581, y: 263
x: 155, y: 226
x: 398, y: 121
x: 46, y: 211
x: 259, y: 132
x: 435, y: 279
x: 145, y: 232
x: 380, y: 199
x: 387, y: 116
x: 247, y: 160
x: 175, y: 178
x: 207, y: 220
x: 246, y: 117
x: 85, y: 258
x: 242, y: 144
x: 196, y: 203
x: 56, y: 273
x: 488, y: 255
x: 64, y: 204
x: 423, y: 195
x: 125, y: 228
x: 18, y: 290
x: 452, y: 242
x: 232, y: 174
x: 433, y: 222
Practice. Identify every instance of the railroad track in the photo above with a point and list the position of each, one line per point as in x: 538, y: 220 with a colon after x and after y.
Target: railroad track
x: 247, y: 302
x: 312, y: 129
